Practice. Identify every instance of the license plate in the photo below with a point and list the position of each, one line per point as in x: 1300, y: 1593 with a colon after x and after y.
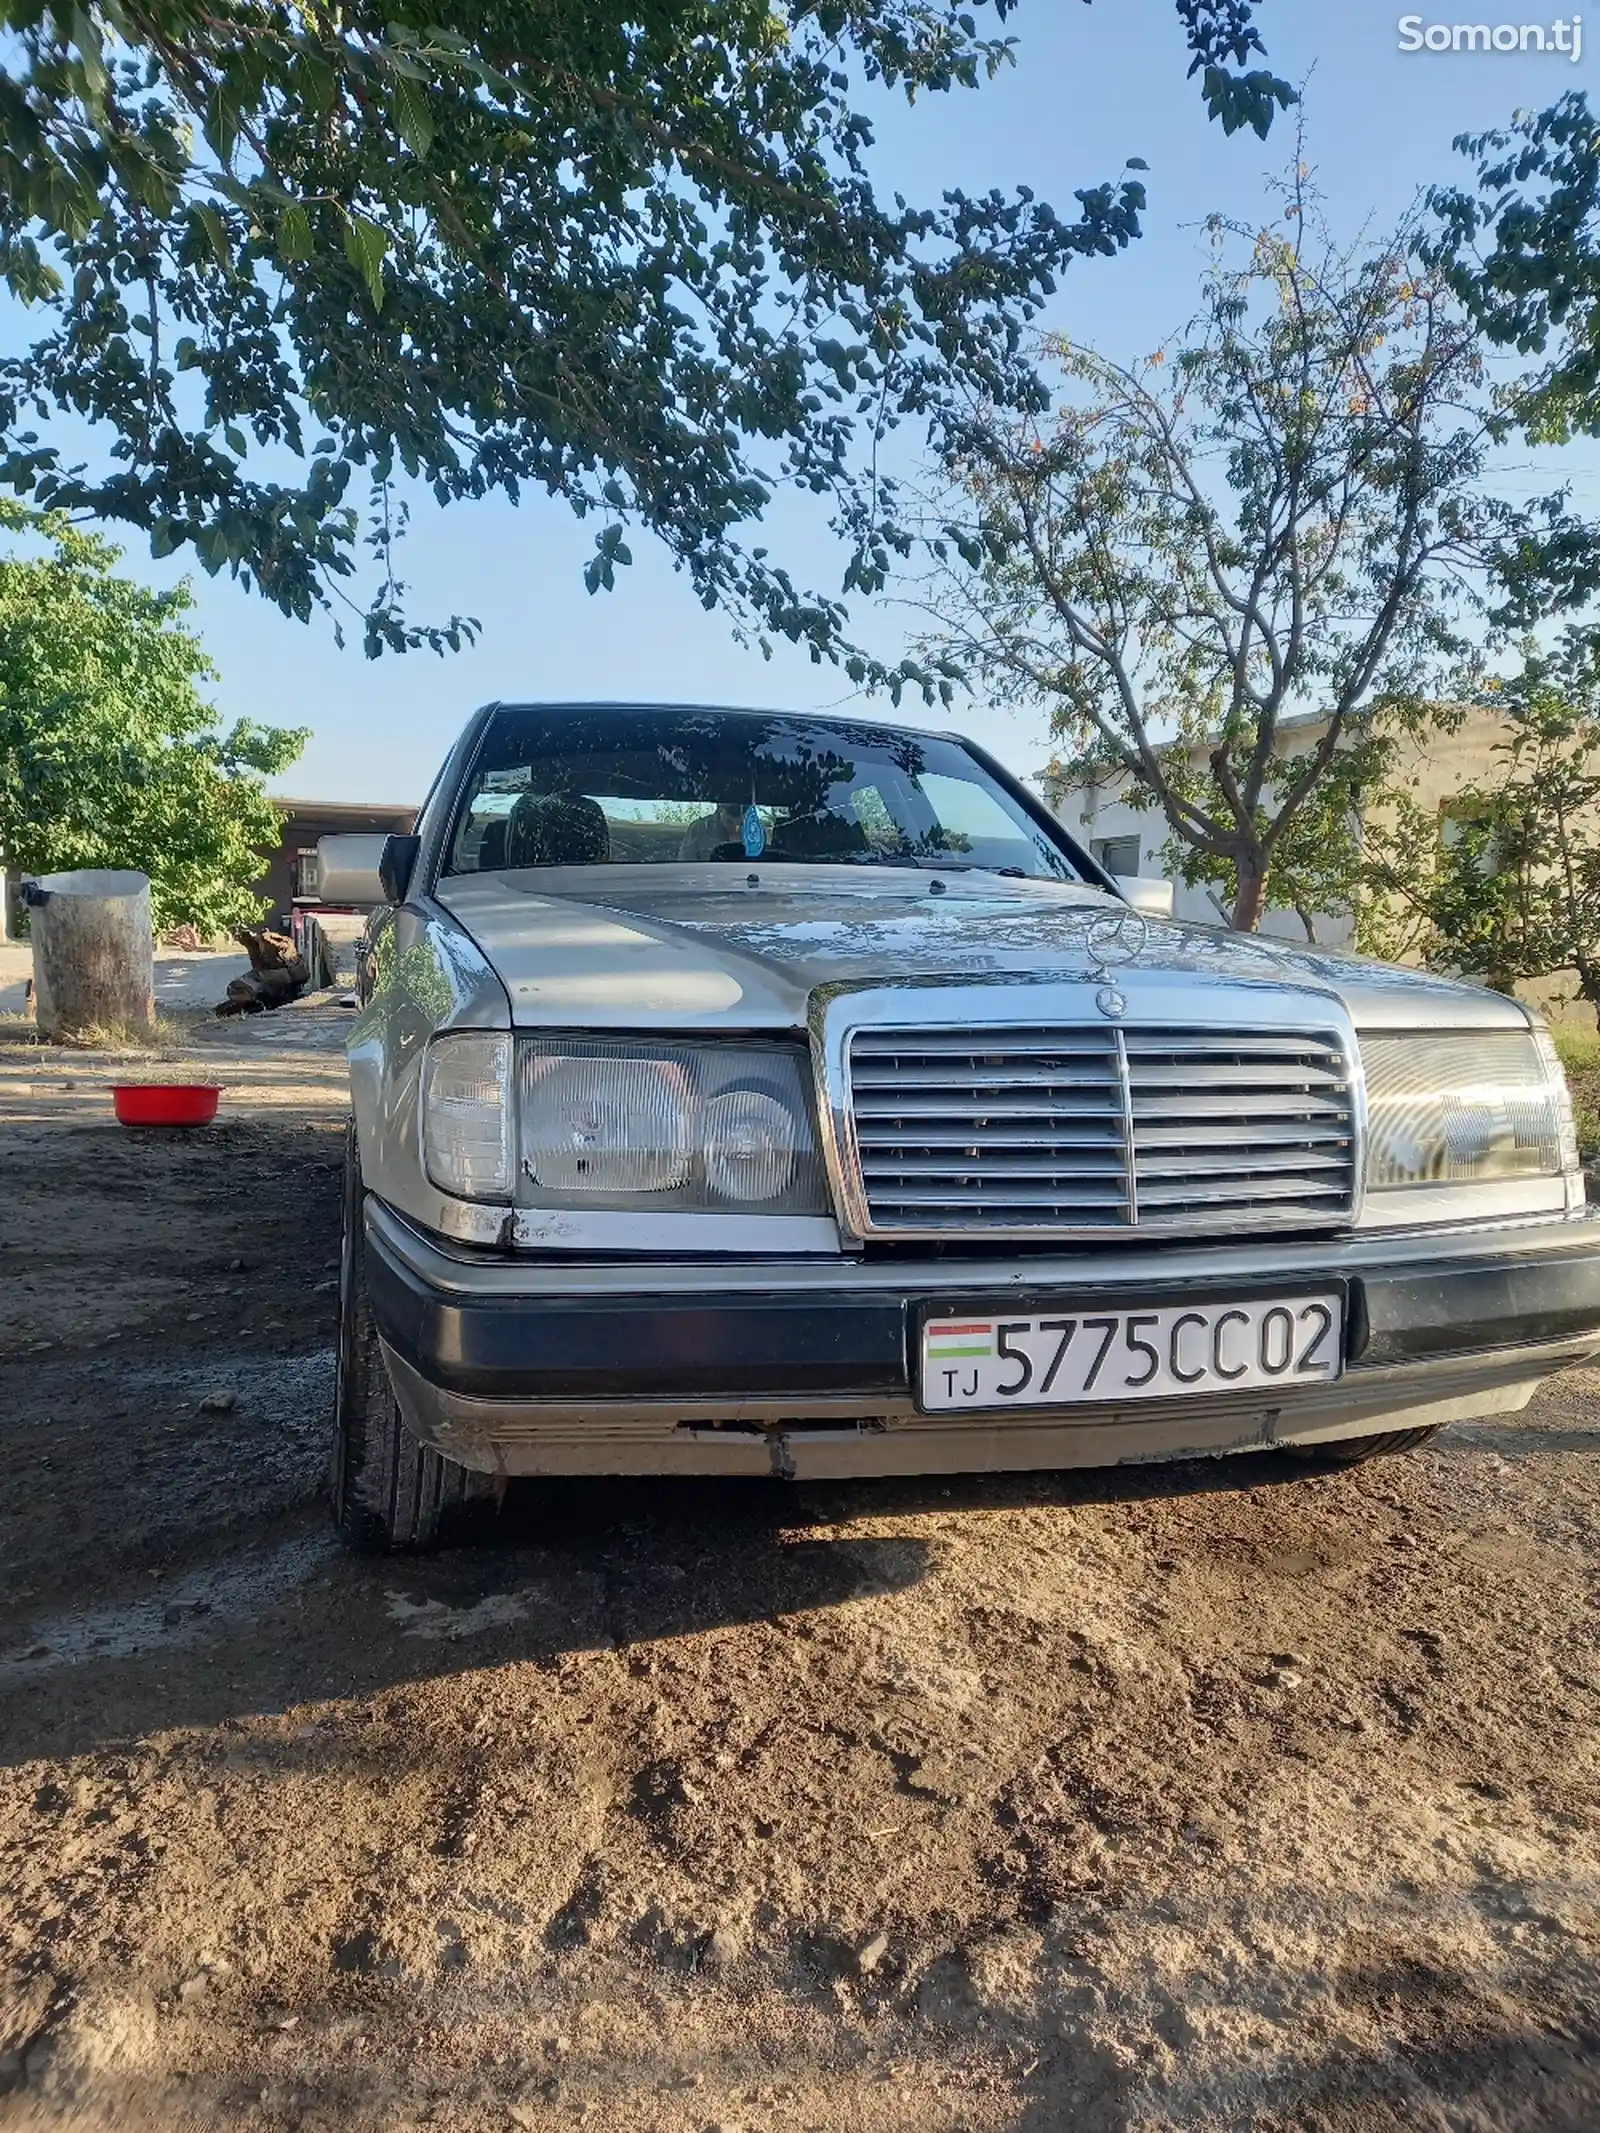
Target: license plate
x: 1180, y: 1351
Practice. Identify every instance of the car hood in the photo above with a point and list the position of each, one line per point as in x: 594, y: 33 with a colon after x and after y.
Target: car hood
x: 630, y: 947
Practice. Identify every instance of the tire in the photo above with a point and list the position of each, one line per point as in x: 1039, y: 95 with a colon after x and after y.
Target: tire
x: 390, y: 1492
x: 1352, y: 1451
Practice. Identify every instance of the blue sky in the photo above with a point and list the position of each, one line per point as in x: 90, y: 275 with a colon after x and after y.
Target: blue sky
x: 1094, y: 85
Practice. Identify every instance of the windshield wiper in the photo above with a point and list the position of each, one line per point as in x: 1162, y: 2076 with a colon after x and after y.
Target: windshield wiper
x: 861, y: 859
x: 918, y: 863
x: 964, y: 866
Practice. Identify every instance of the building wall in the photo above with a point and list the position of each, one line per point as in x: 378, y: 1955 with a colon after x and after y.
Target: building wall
x: 1098, y: 815
x: 1433, y: 770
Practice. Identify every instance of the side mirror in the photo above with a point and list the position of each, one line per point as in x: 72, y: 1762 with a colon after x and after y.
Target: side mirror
x: 349, y: 870
x: 1147, y: 893
x: 396, y: 866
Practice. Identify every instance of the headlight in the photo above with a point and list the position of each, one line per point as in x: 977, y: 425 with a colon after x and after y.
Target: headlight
x: 749, y: 1145
x: 688, y: 1127
x: 1465, y: 1109
x: 592, y: 1124
x: 466, y: 1115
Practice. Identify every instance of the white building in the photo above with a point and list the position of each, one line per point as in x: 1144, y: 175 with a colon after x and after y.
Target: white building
x: 1128, y: 840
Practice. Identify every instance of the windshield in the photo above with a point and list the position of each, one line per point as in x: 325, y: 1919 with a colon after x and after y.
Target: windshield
x: 584, y: 787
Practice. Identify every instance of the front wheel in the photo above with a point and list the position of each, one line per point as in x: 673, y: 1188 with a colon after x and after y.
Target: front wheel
x: 1352, y: 1451
x: 390, y: 1492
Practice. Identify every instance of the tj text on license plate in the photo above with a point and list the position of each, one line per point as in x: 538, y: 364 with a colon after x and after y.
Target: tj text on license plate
x: 1068, y: 1356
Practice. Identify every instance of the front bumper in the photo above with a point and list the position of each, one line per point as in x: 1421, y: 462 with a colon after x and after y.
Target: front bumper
x: 805, y: 1368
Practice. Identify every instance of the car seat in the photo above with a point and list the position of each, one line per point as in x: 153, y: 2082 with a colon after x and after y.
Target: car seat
x: 557, y: 830
x: 492, y: 847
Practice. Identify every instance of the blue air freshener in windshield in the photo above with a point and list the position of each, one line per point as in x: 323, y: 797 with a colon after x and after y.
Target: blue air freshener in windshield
x: 755, y: 835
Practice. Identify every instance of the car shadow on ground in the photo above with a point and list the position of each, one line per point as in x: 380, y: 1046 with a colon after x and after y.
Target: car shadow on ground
x: 251, y: 1618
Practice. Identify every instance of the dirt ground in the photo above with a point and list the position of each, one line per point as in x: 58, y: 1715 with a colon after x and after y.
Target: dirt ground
x: 1211, y: 1797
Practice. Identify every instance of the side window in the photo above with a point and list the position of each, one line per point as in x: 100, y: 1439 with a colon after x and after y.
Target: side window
x: 481, y: 833
x: 1461, y: 824
x: 1118, y: 855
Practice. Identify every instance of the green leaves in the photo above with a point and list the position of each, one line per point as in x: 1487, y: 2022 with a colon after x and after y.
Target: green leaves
x: 1511, y: 889
x: 27, y: 276
x: 86, y: 36
x: 413, y: 120
x: 1235, y: 570
x: 294, y: 233
x: 624, y: 254
x: 109, y: 753
x: 1251, y: 100
x: 611, y: 554
x: 210, y: 221
x: 1523, y: 256
x: 364, y: 246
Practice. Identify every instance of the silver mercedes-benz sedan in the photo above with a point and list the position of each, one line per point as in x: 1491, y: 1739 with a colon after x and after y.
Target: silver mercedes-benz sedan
x: 742, y: 1092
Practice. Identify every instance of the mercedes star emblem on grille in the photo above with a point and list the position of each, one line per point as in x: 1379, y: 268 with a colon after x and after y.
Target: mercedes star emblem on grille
x: 1112, y: 940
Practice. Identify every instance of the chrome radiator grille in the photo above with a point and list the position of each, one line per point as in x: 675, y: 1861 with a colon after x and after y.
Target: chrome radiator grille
x: 1049, y: 1130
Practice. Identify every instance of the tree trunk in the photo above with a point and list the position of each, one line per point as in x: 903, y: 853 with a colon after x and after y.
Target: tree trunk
x: 93, y: 951
x: 1251, y: 900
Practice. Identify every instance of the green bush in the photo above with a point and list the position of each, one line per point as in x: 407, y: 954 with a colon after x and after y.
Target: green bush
x: 110, y: 756
x: 1580, y: 1055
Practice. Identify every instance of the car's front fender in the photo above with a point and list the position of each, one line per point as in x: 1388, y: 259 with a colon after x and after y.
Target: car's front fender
x: 424, y: 974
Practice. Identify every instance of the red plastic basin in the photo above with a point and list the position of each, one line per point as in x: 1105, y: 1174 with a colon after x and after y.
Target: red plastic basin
x: 165, y: 1103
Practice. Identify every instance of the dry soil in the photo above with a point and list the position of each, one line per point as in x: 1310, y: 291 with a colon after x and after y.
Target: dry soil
x: 1220, y: 1796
